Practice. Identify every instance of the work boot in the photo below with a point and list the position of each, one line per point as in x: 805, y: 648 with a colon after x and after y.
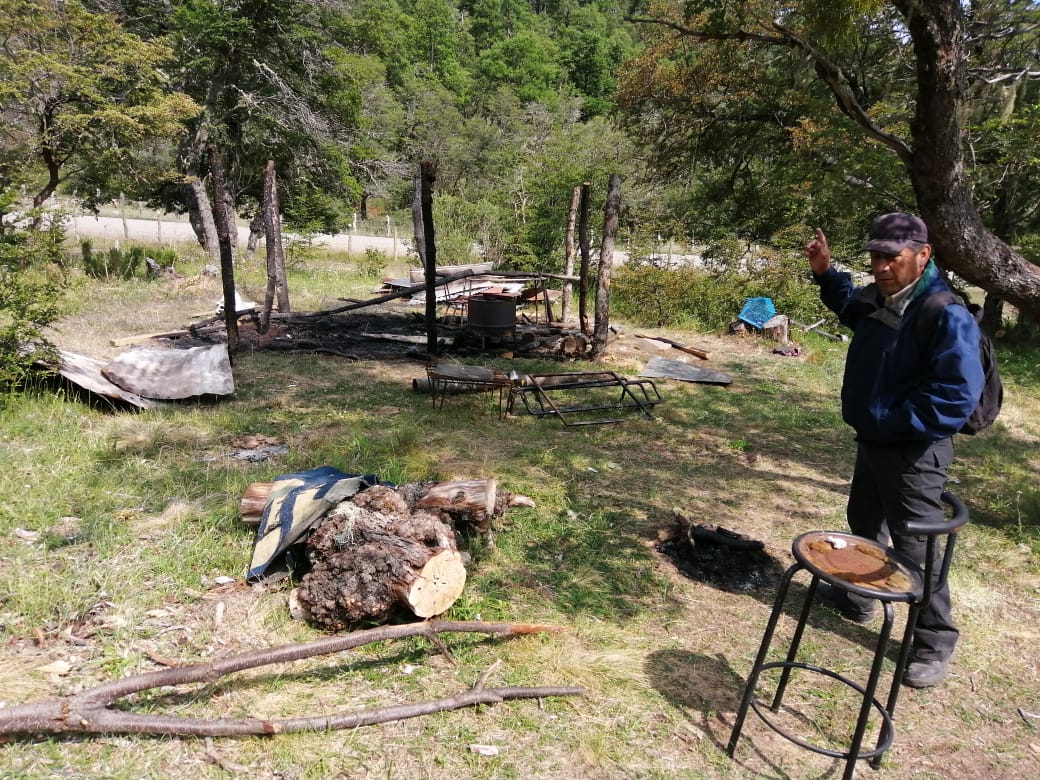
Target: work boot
x: 926, y: 672
x: 839, y: 600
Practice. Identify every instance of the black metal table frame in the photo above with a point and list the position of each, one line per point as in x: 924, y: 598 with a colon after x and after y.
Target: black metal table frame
x: 534, y: 393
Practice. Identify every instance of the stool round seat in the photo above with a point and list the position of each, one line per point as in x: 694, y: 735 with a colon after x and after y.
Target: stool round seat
x: 858, y: 565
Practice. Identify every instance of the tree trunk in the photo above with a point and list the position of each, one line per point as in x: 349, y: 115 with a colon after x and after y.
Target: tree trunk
x: 611, y: 216
x: 256, y: 229
x: 200, y: 215
x: 568, y: 270
x: 583, y: 243
x: 372, y: 555
x: 227, y: 258
x: 428, y: 175
x: 962, y: 243
x: 277, y: 286
x: 417, y: 222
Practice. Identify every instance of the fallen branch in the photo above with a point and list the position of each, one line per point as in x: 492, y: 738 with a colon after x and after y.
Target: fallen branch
x: 815, y: 327
x: 89, y: 711
x: 702, y: 354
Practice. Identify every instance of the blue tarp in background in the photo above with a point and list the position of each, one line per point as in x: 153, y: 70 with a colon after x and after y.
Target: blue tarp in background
x: 757, y: 312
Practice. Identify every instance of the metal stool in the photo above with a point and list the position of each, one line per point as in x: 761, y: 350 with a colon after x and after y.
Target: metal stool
x: 857, y: 565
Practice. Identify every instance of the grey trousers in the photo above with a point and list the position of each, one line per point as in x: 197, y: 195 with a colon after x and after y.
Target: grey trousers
x: 894, y: 484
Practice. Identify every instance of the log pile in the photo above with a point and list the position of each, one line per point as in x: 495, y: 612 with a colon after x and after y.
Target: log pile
x: 389, y: 548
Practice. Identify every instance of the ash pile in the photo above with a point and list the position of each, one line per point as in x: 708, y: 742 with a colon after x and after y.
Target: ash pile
x: 717, y: 556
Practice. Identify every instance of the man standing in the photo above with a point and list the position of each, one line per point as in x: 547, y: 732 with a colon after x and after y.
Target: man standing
x: 906, y: 391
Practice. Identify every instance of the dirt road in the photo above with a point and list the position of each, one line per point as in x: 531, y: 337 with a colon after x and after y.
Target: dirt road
x: 175, y: 232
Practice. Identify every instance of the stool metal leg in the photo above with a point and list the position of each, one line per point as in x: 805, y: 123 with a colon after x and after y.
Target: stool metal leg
x: 796, y: 641
x: 868, y: 699
x: 853, y: 754
x: 897, y: 676
x: 763, y: 650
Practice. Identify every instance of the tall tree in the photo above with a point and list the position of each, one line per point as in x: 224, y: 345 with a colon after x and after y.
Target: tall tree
x: 80, y: 97
x: 928, y: 46
x: 272, y: 86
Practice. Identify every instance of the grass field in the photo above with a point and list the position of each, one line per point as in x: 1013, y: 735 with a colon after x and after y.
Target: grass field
x: 118, y: 529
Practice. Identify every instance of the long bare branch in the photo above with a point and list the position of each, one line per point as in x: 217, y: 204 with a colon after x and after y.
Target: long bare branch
x: 89, y: 711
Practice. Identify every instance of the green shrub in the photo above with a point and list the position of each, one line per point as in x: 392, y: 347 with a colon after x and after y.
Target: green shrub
x: 32, y: 283
x: 711, y: 295
x: 374, y: 262
x: 116, y: 263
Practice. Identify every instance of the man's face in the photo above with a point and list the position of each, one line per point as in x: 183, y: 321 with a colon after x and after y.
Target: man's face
x: 894, y: 272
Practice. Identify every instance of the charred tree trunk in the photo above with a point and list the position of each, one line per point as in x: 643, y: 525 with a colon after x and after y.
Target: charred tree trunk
x: 611, y: 216
x: 227, y: 258
x: 277, y: 287
x: 428, y: 175
x: 583, y: 243
x: 568, y: 287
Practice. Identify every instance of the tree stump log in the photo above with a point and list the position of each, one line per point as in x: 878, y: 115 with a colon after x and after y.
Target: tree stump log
x: 251, y: 506
x: 470, y: 501
x: 778, y: 329
x: 372, y: 556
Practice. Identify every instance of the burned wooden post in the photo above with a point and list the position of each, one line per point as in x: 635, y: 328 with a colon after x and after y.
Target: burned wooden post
x: 277, y: 286
x: 583, y: 244
x: 611, y: 214
x: 227, y: 259
x: 428, y: 175
x: 569, y: 250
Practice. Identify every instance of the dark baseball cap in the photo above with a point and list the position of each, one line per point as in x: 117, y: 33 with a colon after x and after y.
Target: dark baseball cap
x: 891, y: 233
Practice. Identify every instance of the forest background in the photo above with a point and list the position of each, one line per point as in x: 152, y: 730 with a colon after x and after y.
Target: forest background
x: 732, y: 132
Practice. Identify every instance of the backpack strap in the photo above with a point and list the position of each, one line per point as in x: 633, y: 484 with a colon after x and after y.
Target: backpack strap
x: 928, y: 318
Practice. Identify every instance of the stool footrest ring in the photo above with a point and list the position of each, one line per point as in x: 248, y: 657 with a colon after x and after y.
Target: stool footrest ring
x: 887, y: 727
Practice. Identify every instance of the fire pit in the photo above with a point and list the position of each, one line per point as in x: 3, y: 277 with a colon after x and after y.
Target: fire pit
x: 719, y: 557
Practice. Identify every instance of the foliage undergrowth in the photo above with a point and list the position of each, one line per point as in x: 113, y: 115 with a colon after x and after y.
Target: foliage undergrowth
x: 711, y: 293
x: 32, y: 279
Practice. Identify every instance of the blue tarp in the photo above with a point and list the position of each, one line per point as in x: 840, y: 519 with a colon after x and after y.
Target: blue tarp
x: 295, y: 504
x: 757, y: 311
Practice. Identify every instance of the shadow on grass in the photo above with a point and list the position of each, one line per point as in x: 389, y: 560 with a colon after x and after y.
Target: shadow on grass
x: 707, y: 691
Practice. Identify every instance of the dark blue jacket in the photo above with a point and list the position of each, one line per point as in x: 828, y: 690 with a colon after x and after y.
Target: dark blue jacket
x: 902, y: 384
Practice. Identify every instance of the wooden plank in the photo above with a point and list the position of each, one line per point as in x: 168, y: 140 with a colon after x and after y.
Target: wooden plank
x: 664, y: 368
x: 700, y: 353
x: 163, y: 334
